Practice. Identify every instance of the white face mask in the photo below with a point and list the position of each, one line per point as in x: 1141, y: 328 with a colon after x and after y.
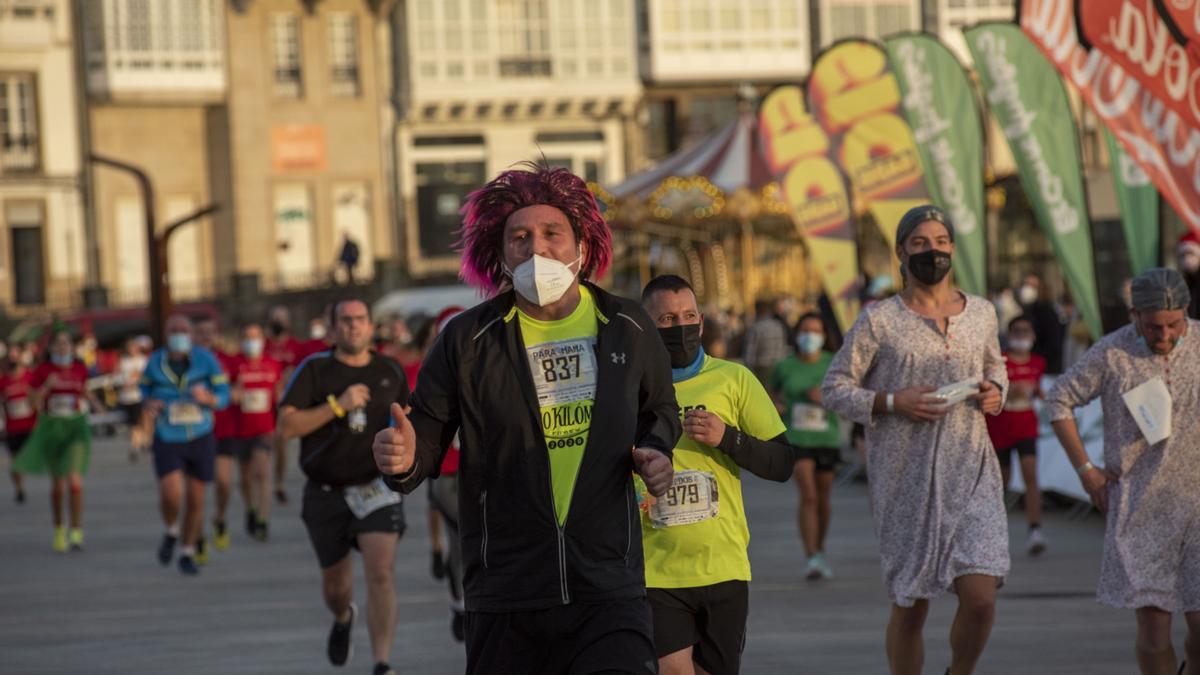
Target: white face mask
x: 1027, y: 295
x: 1020, y: 345
x: 317, y: 331
x: 1190, y: 262
x: 543, y: 280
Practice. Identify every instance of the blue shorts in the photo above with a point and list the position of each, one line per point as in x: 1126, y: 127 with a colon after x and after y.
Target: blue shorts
x: 195, y: 457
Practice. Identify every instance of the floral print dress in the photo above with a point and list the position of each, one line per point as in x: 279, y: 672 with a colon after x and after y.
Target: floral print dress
x: 935, y: 486
x: 1152, y: 531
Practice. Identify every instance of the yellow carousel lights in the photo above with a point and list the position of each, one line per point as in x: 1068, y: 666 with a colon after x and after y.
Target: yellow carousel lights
x: 684, y: 197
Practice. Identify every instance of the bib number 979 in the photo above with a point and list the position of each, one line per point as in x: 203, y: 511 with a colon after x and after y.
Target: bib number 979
x: 679, y: 495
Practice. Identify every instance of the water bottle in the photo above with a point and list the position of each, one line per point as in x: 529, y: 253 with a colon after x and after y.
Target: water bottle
x: 358, y: 420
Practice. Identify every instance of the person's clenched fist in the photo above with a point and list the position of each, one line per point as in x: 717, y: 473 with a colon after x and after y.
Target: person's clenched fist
x: 394, y: 446
x: 655, y: 469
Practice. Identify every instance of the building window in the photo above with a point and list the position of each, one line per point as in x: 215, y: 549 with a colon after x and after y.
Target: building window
x: 441, y: 189
x: 285, y: 58
x: 25, y: 225
x: 524, y: 31
x: 19, y: 149
x: 847, y: 21
x: 892, y: 19
x: 343, y: 55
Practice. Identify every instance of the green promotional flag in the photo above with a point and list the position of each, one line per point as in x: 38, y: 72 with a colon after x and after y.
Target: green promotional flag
x: 1027, y: 98
x: 1139, y: 206
x: 943, y: 112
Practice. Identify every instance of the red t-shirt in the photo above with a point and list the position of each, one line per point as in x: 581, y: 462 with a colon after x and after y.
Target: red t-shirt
x: 310, y: 347
x: 450, y: 460
x: 1018, y: 421
x: 287, y: 351
x: 19, y: 414
x: 70, y: 383
x: 225, y: 421
x: 258, y: 380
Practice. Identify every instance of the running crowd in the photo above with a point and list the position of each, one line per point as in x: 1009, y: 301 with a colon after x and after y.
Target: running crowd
x: 622, y: 547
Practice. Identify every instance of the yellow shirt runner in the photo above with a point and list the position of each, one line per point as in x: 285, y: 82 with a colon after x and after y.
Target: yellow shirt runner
x: 562, y: 360
x: 696, y: 534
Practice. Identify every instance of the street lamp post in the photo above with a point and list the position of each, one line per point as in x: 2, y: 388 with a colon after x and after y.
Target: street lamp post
x: 156, y: 245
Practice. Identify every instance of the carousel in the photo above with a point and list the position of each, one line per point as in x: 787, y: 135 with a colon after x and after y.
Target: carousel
x: 713, y: 214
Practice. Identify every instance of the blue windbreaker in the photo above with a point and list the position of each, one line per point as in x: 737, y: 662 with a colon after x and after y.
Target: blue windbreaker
x: 182, y: 419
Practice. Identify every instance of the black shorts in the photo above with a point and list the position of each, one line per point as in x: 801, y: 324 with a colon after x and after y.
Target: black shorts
x: 827, y: 459
x: 195, y: 457
x: 15, y: 442
x: 711, y: 619
x: 332, y: 527
x: 1025, y: 448
x: 243, y: 448
x: 574, y: 639
x: 133, y: 412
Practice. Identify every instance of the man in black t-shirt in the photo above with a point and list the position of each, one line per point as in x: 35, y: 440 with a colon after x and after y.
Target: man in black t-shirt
x: 335, y: 403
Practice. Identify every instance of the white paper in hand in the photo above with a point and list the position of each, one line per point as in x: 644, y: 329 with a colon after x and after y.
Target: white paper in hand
x: 957, y: 392
x: 1150, y: 405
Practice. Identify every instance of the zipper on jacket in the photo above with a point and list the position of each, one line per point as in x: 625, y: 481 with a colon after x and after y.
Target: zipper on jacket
x: 483, y: 546
x: 562, y: 546
x: 630, y: 510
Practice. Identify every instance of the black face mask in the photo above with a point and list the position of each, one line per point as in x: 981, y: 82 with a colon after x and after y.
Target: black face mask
x: 277, y: 328
x: 929, y: 267
x: 683, y: 343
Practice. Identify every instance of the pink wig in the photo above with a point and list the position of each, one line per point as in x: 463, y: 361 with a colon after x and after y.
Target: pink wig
x: 487, y: 210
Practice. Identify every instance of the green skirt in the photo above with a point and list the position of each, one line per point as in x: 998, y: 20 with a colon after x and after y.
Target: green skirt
x: 58, y: 445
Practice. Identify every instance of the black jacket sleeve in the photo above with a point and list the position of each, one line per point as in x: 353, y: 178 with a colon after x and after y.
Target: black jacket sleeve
x: 773, y: 459
x: 434, y: 416
x: 658, y: 412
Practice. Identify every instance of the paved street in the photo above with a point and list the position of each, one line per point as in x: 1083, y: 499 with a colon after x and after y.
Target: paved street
x: 257, y: 609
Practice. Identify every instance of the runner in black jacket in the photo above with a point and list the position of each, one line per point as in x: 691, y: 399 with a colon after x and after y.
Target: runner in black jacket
x: 553, y: 565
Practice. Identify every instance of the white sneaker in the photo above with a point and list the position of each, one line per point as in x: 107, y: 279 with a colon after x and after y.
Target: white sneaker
x: 813, y: 570
x: 818, y: 568
x: 1035, y: 545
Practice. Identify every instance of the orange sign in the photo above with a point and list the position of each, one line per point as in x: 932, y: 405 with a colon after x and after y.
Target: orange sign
x: 298, y: 148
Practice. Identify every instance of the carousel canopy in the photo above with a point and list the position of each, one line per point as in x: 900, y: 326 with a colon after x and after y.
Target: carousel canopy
x: 729, y: 159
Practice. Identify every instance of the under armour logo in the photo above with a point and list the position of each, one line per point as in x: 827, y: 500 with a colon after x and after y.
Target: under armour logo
x: 618, y: 358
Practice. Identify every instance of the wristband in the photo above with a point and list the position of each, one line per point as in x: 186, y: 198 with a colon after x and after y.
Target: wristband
x: 1083, y: 468
x: 891, y: 403
x: 338, y: 410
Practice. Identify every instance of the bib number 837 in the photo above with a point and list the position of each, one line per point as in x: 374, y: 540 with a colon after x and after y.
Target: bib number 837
x: 560, y: 368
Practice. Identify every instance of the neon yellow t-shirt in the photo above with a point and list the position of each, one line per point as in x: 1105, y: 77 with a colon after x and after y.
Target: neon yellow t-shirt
x: 705, y: 542
x: 562, y: 361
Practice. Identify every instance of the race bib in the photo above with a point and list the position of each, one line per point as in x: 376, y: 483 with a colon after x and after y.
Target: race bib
x: 364, y: 500
x: 807, y: 417
x: 692, y: 498
x: 19, y: 409
x: 256, y: 400
x: 564, y: 371
x: 184, y: 414
x: 63, y: 405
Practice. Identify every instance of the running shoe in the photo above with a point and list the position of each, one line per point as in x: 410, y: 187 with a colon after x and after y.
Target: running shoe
x: 281, y: 496
x: 437, y: 566
x: 187, y: 566
x: 166, y: 550
x: 220, y: 535
x: 202, y: 552
x: 20, y: 496
x: 260, y: 530
x: 251, y: 521
x: 382, y: 668
x: 339, y: 648
x: 60, y: 538
x: 826, y: 570
x: 812, y: 571
x: 1035, y: 545
x: 76, y: 538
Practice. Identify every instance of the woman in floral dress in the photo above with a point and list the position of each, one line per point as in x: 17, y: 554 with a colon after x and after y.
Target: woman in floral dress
x: 935, y: 483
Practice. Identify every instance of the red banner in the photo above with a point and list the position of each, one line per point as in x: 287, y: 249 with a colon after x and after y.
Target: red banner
x: 1164, y: 142
x: 1183, y: 20
x: 1135, y: 37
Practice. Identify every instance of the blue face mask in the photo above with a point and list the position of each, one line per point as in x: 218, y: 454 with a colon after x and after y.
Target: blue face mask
x: 810, y: 343
x: 179, y: 343
x: 61, y: 359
